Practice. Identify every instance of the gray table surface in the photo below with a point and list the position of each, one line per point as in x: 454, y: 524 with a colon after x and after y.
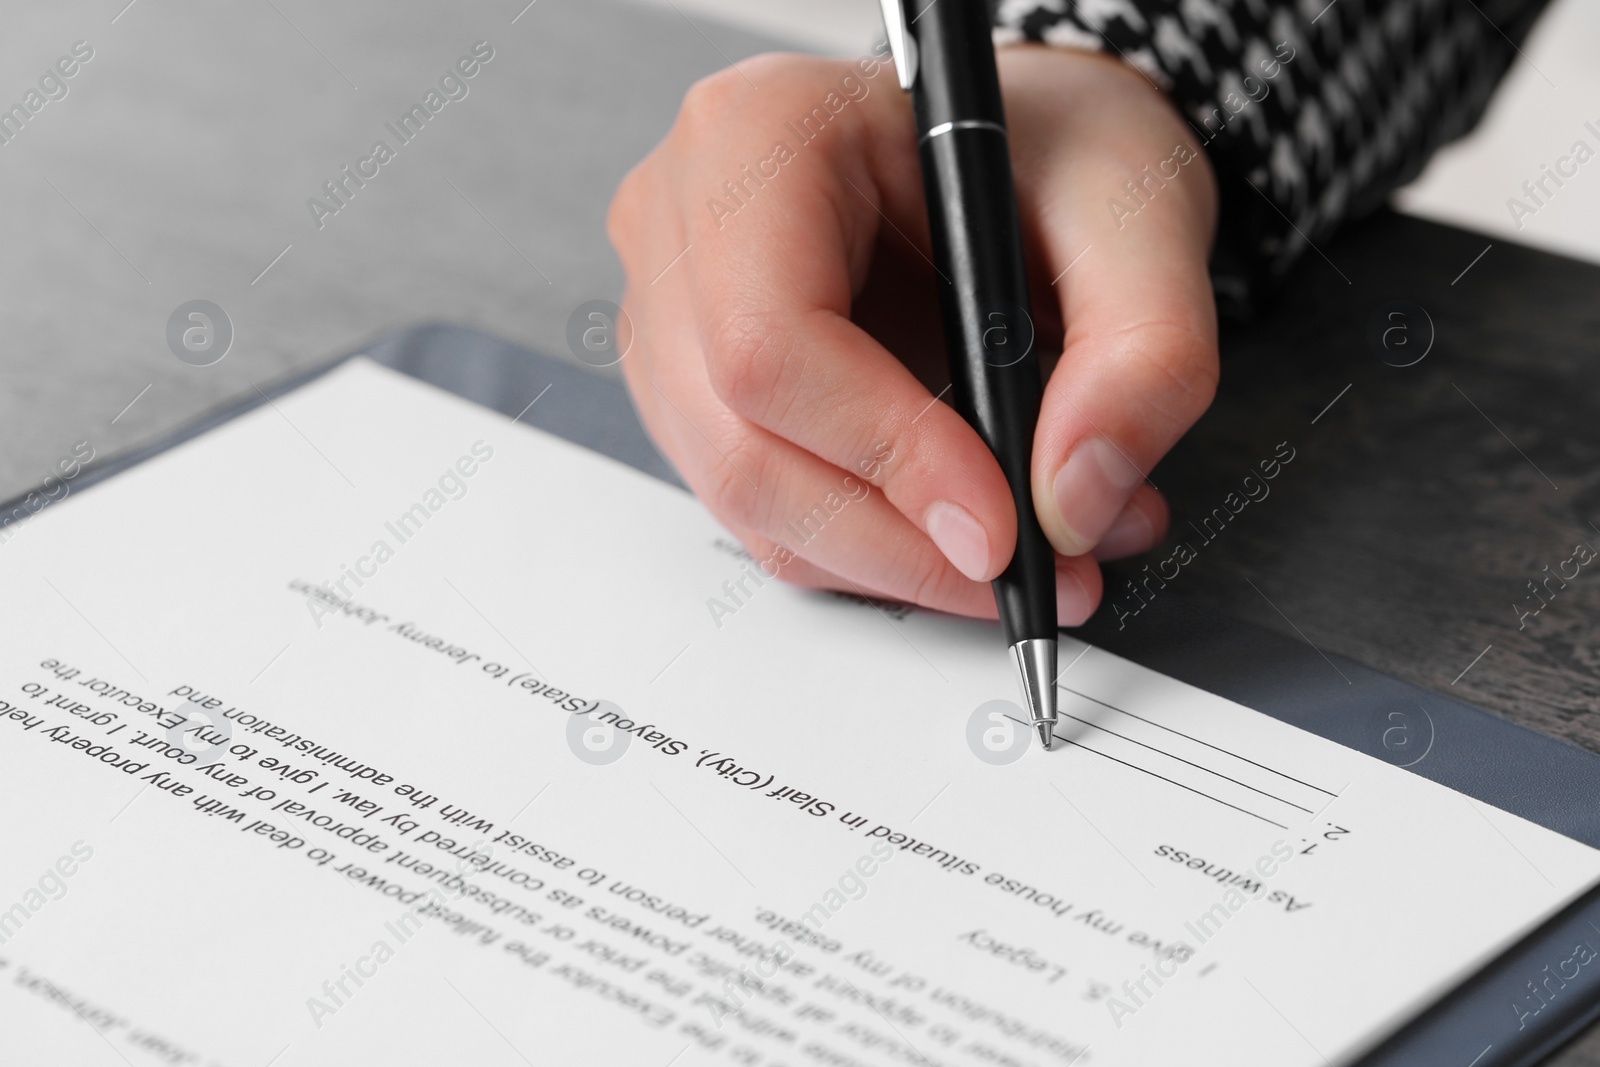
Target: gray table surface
x: 180, y: 162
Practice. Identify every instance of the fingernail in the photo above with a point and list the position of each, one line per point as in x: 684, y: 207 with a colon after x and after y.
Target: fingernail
x: 960, y: 537
x: 1090, y: 490
x: 1129, y: 535
x: 1073, y: 604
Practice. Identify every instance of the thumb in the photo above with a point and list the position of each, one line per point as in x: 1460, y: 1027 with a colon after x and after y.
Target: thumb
x: 1124, y: 203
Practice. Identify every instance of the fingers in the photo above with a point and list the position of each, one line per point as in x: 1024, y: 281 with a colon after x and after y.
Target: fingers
x: 811, y: 522
x: 809, y: 376
x: 1140, y: 527
x: 1139, y: 365
x: 772, y: 298
x: 807, y: 437
x: 774, y: 561
x: 1078, y: 581
x: 1117, y: 402
x: 821, y: 515
x: 834, y: 529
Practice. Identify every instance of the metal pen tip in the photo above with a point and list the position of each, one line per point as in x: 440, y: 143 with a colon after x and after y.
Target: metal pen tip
x: 1047, y: 733
x: 1036, y: 673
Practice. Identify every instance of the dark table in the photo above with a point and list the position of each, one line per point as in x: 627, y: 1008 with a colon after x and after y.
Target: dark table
x: 1422, y: 499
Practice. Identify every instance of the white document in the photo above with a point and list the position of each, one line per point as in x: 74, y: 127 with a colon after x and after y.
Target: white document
x: 253, y: 817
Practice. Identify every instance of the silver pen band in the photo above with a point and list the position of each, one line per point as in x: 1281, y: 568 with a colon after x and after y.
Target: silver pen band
x: 964, y: 124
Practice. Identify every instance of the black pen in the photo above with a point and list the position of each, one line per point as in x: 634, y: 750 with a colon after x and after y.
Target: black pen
x: 944, y: 57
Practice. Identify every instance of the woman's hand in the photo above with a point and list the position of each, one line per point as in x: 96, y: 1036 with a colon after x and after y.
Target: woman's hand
x: 787, y: 352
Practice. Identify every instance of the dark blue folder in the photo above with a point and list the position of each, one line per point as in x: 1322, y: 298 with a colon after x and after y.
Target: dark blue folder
x: 1513, y: 1013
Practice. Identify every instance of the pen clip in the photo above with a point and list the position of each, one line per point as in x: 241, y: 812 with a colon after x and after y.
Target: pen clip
x: 902, y: 46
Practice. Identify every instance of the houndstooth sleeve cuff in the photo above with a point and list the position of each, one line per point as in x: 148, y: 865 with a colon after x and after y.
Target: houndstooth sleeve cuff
x: 1311, y: 111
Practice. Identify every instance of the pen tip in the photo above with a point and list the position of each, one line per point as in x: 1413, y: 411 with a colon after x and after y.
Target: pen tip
x: 1036, y: 670
x: 1047, y: 733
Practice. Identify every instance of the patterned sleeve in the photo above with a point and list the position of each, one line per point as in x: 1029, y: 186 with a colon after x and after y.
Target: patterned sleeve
x: 1311, y: 111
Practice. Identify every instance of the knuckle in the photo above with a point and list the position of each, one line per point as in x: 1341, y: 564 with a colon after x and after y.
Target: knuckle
x: 708, y: 102
x: 733, y: 490
x: 718, y: 108
x: 1177, y: 369
x: 929, y: 578
x: 745, y: 362
x: 732, y: 86
x: 624, y: 210
x: 641, y: 218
